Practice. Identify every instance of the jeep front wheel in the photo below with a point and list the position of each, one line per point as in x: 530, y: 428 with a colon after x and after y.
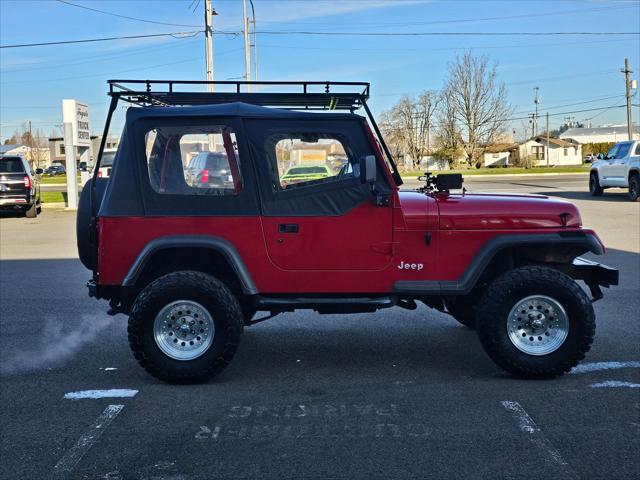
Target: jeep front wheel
x: 535, y: 322
x: 185, y: 327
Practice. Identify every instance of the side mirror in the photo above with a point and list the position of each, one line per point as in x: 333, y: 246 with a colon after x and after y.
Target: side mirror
x: 368, y: 169
x: 39, y: 171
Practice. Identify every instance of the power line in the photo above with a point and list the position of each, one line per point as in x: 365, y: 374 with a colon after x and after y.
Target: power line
x: 464, y: 20
x: 434, y: 49
x: 434, y: 34
x: 375, y: 34
x: 106, y: 39
x: 98, y: 74
x: 125, y: 16
x: 93, y: 59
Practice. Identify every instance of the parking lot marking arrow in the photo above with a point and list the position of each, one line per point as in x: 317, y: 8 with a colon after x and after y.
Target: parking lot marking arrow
x: 67, y: 463
x: 93, y: 394
x: 528, y: 426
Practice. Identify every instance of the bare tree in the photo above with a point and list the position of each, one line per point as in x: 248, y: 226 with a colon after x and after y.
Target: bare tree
x: 408, y: 125
x: 479, y: 102
x: 448, y: 137
x: 35, y: 143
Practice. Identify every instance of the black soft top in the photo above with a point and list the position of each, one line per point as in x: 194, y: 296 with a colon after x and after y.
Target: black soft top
x: 234, y: 109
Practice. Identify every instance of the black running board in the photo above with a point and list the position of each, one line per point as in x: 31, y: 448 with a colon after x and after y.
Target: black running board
x: 324, y: 304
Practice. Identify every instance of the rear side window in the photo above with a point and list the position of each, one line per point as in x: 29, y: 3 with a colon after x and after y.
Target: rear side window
x: 193, y: 160
x: 305, y: 159
x: 637, y: 152
x: 11, y: 165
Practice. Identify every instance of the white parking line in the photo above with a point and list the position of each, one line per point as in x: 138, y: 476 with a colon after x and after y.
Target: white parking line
x: 67, y: 463
x: 112, y: 393
x: 528, y: 426
x: 615, y: 384
x: 598, y: 366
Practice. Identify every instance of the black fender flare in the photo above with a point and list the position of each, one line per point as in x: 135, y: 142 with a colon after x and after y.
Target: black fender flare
x: 217, y: 244
x: 585, y: 241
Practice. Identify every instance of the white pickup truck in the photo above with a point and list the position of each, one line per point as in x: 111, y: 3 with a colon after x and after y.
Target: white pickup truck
x: 619, y: 168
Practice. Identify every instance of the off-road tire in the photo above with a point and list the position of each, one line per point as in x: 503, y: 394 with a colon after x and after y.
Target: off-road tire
x: 208, y: 292
x: 511, y: 287
x: 594, y: 185
x: 32, y: 211
x: 634, y: 187
x: 463, y: 310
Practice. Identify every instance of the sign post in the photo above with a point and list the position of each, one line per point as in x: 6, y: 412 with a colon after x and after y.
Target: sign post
x: 75, y: 117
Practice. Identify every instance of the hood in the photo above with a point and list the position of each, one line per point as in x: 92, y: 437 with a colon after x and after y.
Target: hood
x: 504, y: 211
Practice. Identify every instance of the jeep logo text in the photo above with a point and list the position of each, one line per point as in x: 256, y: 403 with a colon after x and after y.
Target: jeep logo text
x: 410, y: 266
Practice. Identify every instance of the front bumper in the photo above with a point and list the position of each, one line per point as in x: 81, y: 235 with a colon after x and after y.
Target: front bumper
x: 594, y: 274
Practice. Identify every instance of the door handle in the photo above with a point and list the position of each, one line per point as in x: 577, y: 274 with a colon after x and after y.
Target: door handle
x: 288, y: 228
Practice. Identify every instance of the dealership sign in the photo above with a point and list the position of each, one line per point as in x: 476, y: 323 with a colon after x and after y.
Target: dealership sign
x: 77, y: 114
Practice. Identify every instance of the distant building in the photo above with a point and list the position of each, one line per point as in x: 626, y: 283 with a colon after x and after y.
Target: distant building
x: 58, y: 154
x: 561, y: 152
x: 613, y: 134
x: 38, y: 157
x: 498, y: 155
x: 13, y: 149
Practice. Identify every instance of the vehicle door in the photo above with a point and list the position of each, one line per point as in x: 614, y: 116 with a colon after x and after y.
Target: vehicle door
x: 317, y: 221
x: 618, y: 167
x: 605, y: 171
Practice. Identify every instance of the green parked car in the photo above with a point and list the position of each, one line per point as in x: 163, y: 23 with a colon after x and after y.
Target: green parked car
x: 300, y: 174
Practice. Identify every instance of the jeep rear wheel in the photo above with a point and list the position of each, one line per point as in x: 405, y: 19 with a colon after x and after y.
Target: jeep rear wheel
x: 185, y: 327
x: 594, y: 185
x: 535, y: 322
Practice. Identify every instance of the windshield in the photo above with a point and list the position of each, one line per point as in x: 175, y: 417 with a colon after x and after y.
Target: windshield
x: 107, y: 159
x: 11, y: 165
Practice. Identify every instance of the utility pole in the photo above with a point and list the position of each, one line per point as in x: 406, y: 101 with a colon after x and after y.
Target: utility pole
x: 548, y: 150
x: 627, y: 84
x: 208, y: 41
x: 247, y: 46
x: 254, y: 44
x: 535, y: 118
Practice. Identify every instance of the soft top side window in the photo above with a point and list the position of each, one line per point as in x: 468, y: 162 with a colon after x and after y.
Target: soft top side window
x: 193, y: 160
x: 310, y: 158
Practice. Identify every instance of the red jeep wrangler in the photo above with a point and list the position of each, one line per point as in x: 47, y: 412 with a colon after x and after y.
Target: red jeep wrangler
x: 195, y: 231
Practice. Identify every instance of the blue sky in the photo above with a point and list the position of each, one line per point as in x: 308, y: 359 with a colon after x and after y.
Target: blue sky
x: 573, y: 72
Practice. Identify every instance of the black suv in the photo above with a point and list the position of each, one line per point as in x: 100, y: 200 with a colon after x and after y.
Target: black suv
x: 19, y: 186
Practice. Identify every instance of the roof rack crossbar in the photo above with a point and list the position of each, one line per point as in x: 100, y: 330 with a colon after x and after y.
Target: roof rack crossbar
x: 316, y: 95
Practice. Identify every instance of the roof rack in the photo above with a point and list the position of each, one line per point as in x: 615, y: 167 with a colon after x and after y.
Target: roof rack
x: 288, y: 95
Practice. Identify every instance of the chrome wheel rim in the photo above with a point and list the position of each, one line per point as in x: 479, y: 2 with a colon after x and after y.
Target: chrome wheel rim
x: 538, y: 325
x: 183, y: 330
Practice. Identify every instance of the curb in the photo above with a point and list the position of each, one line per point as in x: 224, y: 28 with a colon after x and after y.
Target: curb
x: 52, y: 205
x: 509, y: 175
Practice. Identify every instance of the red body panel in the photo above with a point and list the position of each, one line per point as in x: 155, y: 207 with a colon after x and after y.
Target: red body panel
x: 359, y: 252
x: 506, y: 211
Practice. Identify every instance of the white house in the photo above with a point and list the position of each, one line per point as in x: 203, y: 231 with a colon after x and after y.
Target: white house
x: 498, y: 155
x: 561, y: 152
x: 614, y: 134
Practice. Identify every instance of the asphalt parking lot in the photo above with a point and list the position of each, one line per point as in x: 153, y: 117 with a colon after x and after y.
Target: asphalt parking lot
x: 395, y: 394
